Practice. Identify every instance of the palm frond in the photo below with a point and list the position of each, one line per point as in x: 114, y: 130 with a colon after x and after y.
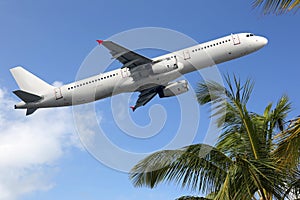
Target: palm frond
x: 279, y: 113
x: 192, y: 198
x: 272, y: 122
x: 230, y: 106
x: 224, y: 101
x: 277, y: 6
x: 198, y: 167
x: 293, y: 191
x: 288, y: 151
x: 267, y: 177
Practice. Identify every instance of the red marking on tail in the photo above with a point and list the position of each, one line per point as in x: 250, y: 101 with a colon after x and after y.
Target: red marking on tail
x: 99, y: 41
x: 133, y: 108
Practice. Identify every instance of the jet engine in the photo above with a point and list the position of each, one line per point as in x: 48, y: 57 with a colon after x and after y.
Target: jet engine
x: 166, y: 65
x: 173, y: 89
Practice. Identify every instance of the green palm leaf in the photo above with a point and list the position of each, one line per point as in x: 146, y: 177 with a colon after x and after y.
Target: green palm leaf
x: 288, y: 151
x: 192, y: 198
x: 277, y: 6
x: 198, y: 167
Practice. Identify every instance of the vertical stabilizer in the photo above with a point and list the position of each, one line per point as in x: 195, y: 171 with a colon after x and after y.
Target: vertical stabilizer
x: 29, y: 82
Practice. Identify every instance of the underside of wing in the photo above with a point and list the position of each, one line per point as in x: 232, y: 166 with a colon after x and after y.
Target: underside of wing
x: 145, y: 96
x: 127, y: 57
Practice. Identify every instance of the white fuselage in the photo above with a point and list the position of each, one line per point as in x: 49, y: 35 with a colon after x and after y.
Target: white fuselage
x: 122, y: 80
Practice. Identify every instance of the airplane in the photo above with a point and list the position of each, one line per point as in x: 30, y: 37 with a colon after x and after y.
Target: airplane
x: 148, y: 76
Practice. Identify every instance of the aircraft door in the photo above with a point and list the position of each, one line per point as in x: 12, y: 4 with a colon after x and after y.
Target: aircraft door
x: 58, y: 94
x: 235, y: 39
x: 186, y: 54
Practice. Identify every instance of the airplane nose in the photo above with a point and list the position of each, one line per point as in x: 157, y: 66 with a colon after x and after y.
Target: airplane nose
x: 261, y: 42
x: 264, y: 41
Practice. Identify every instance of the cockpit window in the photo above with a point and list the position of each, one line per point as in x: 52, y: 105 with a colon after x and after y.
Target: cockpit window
x: 250, y: 35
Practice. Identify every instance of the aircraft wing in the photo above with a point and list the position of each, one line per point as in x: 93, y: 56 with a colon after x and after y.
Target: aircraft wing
x: 128, y: 58
x: 145, y: 96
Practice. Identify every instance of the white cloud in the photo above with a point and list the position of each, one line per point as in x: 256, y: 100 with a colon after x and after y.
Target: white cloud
x: 31, y: 147
x: 57, y: 83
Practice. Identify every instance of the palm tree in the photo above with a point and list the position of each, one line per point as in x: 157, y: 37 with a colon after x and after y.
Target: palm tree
x: 247, y: 161
x: 288, y: 154
x: 277, y: 6
x: 192, y: 198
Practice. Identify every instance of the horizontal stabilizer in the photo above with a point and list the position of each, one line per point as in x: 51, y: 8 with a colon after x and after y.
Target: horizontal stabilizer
x: 30, y: 111
x: 26, y: 96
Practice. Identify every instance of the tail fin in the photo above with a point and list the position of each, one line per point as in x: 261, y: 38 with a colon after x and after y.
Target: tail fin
x: 29, y: 82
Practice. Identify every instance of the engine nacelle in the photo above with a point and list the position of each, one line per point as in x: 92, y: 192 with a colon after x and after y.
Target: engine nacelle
x: 173, y: 89
x: 166, y: 65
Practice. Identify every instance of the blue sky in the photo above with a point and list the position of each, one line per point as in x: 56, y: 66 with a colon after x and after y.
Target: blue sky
x: 42, y: 157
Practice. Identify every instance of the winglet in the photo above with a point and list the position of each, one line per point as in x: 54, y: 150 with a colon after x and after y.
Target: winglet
x: 133, y: 108
x: 100, y: 41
